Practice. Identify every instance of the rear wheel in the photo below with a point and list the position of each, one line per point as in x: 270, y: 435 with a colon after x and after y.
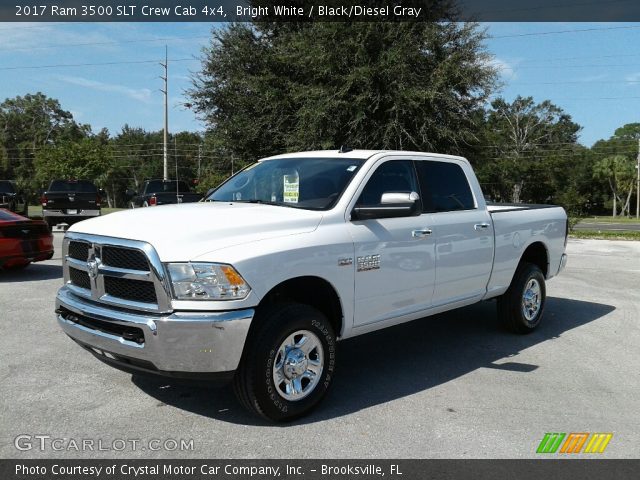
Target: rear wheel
x: 288, y: 363
x: 521, y: 307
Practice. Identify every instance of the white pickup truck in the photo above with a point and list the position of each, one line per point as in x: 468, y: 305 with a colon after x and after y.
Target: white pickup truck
x: 290, y: 255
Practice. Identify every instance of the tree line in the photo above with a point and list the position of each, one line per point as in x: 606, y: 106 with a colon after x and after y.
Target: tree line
x: 267, y: 88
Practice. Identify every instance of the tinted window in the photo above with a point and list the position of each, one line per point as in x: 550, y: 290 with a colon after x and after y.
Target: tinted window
x: 444, y: 187
x: 6, y: 187
x: 80, y: 186
x: 393, y: 176
x: 157, y: 186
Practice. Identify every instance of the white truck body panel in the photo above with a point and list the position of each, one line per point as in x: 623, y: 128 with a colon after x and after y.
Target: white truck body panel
x: 462, y: 262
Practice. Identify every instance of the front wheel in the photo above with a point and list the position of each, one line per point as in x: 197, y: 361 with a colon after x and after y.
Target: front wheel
x: 288, y: 363
x: 521, y: 307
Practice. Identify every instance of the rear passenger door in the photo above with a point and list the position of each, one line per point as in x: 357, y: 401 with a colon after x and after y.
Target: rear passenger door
x: 463, y: 232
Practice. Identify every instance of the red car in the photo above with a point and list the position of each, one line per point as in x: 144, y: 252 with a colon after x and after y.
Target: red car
x: 23, y: 241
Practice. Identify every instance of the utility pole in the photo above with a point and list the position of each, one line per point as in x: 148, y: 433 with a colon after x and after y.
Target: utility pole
x: 199, y: 158
x: 166, y: 111
x: 638, y: 184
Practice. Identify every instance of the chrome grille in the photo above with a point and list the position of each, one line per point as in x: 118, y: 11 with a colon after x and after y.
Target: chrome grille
x: 79, y: 250
x: 125, y: 258
x: 135, y: 290
x: 79, y: 278
x: 114, y: 271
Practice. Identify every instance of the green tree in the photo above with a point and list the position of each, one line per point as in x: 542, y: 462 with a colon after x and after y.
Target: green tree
x: 27, y: 124
x: 267, y: 88
x: 619, y: 172
x: 87, y: 158
x: 526, y: 144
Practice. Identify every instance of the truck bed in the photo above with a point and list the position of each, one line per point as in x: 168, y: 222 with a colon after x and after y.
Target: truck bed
x: 516, y: 226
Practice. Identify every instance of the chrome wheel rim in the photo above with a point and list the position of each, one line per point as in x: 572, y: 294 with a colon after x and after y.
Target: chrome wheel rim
x: 531, y: 299
x: 298, y: 365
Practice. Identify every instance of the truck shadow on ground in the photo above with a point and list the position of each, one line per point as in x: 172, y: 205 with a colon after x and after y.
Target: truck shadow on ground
x: 33, y: 272
x: 399, y: 361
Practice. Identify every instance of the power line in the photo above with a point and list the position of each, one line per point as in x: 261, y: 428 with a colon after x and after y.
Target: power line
x: 92, y: 64
x: 114, y: 42
x: 559, y: 32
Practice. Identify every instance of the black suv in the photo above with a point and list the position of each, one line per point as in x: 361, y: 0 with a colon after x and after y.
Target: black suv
x: 70, y: 201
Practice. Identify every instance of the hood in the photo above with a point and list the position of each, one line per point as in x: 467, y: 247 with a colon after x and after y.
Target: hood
x: 184, y: 232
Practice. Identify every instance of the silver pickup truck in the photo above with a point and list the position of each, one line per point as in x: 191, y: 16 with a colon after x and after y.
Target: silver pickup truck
x: 258, y: 282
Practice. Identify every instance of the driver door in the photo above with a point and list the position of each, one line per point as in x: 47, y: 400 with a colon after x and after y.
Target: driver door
x: 394, y: 257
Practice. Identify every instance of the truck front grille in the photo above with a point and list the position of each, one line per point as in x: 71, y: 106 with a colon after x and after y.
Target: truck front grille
x: 114, y: 271
x: 79, y: 278
x: 79, y: 250
x: 134, y: 290
x: 125, y: 258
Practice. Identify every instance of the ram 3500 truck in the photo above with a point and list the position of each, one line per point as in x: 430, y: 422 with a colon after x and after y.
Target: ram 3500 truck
x: 292, y: 254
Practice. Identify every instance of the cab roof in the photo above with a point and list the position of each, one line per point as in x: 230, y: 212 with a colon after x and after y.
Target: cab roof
x: 359, y: 154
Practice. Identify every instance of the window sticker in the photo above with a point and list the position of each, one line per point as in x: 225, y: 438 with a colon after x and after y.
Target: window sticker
x: 351, y: 168
x: 291, y: 191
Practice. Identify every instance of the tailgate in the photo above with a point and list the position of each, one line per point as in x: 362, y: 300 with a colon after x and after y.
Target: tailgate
x: 71, y: 201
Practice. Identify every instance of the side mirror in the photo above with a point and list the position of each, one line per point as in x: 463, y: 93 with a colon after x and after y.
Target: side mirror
x: 130, y: 193
x: 392, y: 204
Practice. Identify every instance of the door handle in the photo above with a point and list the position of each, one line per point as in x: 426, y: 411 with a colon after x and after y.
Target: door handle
x: 425, y: 232
x: 481, y: 226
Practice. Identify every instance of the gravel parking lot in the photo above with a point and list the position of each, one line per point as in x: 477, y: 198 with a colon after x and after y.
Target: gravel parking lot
x: 449, y: 386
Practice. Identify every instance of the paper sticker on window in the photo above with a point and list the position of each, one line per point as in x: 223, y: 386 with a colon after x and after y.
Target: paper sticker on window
x: 351, y: 168
x: 291, y: 191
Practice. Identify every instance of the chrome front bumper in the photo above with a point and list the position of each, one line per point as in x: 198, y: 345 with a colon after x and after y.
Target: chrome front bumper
x: 187, y: 342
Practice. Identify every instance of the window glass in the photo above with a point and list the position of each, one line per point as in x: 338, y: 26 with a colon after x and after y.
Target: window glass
x: 392, y: 176
x: 80, y: 186
x: 444, y: 187
x: 309, y: 183
x: 169, y: 186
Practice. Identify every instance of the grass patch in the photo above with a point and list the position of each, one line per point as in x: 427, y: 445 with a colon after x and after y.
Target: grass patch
x: 601, y: 219
x: 597, y: 235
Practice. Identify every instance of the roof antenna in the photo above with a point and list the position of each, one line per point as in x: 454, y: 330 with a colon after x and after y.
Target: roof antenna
x: 344, y: 149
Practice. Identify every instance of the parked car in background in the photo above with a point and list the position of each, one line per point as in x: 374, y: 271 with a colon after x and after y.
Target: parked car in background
x: 23, y: 241
x: 12, y: 198
x: 70, y: 201
x: 162, y: 192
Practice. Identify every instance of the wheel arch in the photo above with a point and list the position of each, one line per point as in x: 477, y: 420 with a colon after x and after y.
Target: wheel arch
x: 309, y: 290
x: 537, y: 254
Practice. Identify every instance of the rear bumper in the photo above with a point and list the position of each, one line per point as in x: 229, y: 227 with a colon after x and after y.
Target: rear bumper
x: 62, y: 216
x: 181, y: 344
x: 15, y: 260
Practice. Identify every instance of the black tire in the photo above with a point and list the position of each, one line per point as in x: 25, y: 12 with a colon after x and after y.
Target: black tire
x: 254, y: 383
x: 511, y: 305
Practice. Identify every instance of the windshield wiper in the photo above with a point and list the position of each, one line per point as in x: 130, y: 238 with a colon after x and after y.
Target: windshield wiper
x: 265, y: 202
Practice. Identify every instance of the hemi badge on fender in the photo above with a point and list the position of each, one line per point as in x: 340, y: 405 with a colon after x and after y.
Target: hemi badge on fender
x: 343, y: 262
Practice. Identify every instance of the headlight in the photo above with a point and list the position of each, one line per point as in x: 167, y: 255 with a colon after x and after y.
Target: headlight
x: 206, y: 281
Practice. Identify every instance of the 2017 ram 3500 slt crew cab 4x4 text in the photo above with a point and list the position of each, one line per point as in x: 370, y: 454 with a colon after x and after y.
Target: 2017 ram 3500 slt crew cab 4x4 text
x: 293, y: 253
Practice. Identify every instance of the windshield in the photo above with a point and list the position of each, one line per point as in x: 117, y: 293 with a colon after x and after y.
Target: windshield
x: 310, y: 183
x: 6, y: 187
